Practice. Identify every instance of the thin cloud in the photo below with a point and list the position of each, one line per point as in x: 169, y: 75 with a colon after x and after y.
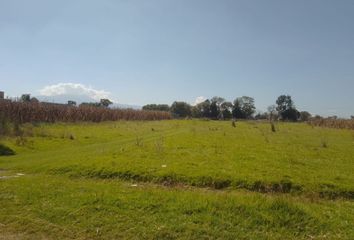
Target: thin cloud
x: 75, y: 89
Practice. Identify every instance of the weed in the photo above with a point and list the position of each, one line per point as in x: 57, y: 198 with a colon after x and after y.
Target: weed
x: 324, y: 143
x: 28, y: 130
x: 139, y: 142
x: 159, y: 145
x: 42, y: 132
x: 22, y: 141
x: 272, y: 127
x: 17, y: 129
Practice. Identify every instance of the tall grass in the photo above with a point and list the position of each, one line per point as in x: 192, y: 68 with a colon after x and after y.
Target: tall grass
x: 333, y: 123
x: 22, y: 112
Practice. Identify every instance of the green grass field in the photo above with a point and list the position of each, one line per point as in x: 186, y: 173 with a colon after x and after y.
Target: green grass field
x: 178, y: 179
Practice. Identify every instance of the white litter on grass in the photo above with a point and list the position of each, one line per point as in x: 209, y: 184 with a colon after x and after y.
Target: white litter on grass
x: 6, y: 177
x: 163, y: 166
x: 134, y: 185
x: 13, y: 176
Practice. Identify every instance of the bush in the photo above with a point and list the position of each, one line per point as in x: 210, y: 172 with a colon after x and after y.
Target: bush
x: 6, y: 151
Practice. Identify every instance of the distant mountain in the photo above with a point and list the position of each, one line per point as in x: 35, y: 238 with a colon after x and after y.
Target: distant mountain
x: 64, y: 98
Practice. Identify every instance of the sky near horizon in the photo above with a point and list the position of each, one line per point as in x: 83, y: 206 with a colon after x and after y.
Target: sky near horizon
x: 158, y: 51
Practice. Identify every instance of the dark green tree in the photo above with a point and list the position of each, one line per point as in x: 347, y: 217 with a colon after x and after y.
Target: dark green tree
x: 71, y: 103
x: 180, y: 109
x: 305, y: 116
x: 26, y: 98
x: 214, y: 110
x: 243, y: 107
x: 291, y: 114
x: 202, y: 110
x: 215, y: 107
x: 226, y: 108
x: 286, y: 108
x: 90, y: 104
x: 261, y: 116
x: 105, y: 102
x: 284, y: 102
x: 156, y: 107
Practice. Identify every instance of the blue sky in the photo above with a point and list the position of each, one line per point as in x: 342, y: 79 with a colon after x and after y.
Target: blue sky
x: 158, y: 51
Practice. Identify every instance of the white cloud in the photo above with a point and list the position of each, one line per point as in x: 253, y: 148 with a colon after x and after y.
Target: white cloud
x: 74, y: 89
x: 199, y: 99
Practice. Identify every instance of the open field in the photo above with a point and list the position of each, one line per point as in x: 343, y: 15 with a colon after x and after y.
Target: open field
x: 188, y: 179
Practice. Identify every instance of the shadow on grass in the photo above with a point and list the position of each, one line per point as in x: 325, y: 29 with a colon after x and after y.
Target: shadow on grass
x: 217, y: 183
x: 6, y: 151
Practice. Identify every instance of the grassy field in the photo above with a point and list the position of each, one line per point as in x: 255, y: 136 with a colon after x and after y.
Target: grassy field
x: 189, y: 179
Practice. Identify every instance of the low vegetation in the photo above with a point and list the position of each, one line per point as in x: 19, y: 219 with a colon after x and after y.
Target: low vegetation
x: 188, y: 179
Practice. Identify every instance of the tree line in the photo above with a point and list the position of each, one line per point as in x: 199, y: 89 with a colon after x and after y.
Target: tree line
x: 218, y: 108
x: 102, y: 103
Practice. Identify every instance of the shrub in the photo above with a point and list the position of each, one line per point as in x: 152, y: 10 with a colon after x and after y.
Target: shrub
x: 6, y: 151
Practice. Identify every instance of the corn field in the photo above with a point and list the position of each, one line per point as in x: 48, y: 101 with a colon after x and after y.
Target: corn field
x: 23, y: 112
x: 333, y: 123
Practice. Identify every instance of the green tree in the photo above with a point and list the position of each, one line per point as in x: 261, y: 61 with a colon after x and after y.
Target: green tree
x: 226, y: 108
x: 214, y: 110
x: 215, y: 107
x: 26, y: 98
x: 305, y: 116
x: 284, y: 102
x: 156, y: 107
x: 243, y: 107
x: 291, y: 114
x: 71, y: 103
x: 105, y: 102
x: 34, y: 100
x: 261, y: 116
x: 180, y: 109
x: 286, y: 108
x: 202, y: 110
x: 90, y: 104
x: 218, y: 100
